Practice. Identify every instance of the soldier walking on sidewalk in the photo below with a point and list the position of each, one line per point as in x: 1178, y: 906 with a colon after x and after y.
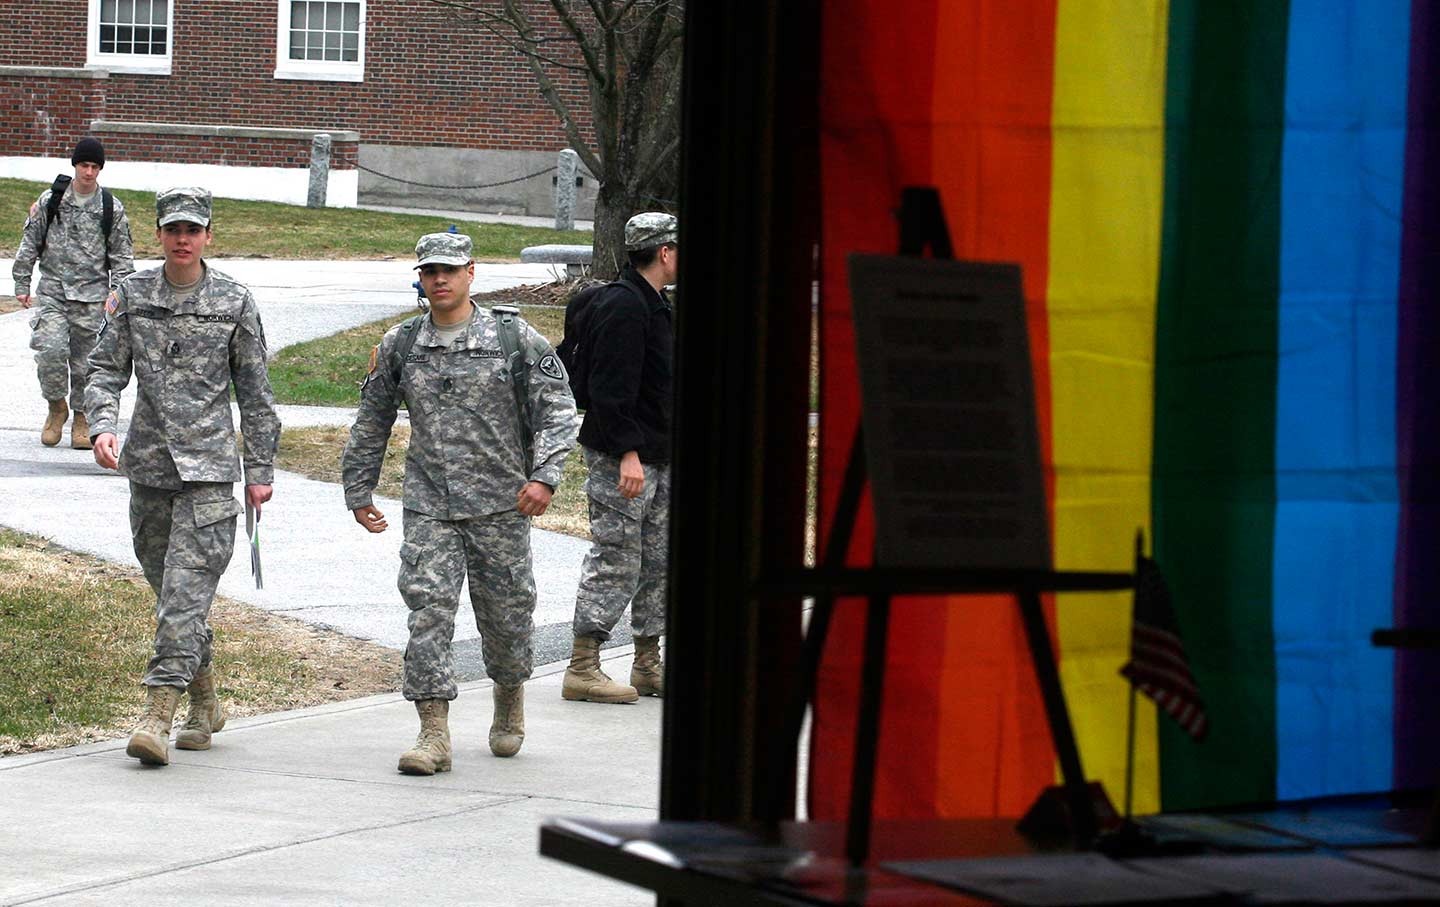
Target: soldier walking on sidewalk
x: 491, y: 422
x: 79, y: 235
x: 189, y: 333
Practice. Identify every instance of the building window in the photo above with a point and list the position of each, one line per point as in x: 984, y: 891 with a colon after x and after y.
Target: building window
x: 130, y: 35
x: 321, y: 39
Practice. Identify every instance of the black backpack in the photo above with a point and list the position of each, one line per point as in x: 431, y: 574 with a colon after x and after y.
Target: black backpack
x: 574, y: 350
x: 52, y: 213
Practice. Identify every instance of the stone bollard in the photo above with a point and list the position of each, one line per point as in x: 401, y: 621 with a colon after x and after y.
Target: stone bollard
x: 319, y: 171
x: 565, y: 170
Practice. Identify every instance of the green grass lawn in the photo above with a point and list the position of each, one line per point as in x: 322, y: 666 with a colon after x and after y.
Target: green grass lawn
x: 327, y: 371
x: 272, y: 230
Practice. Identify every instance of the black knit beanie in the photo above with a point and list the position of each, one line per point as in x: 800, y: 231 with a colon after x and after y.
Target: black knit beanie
x: 88, y: 149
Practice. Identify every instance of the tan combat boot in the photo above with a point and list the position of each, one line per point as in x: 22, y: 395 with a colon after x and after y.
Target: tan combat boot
x: 647, y: 674
x: 206, y: 716
x: 507, y: 731
x: 431, y: 752
x: 80, y: 432
x: 151, y: 741
x: 54, y: 423
x: 584, y: 681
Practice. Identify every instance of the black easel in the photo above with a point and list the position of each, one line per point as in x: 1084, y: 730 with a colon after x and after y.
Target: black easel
x: 921, y: 223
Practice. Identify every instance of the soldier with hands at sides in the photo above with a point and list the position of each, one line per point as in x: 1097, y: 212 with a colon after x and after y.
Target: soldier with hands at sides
x: 491, y: 422
x: 189, y: 334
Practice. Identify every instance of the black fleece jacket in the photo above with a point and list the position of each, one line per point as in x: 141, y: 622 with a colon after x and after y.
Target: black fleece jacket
x: 631, y: 340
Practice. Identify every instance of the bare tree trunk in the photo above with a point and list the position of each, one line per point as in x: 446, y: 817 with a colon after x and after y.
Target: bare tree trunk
x: 614, y: 205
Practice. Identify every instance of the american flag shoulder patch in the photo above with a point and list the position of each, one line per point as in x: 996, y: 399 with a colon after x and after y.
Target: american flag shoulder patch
x: 374, y: 364
x: 112, y: 302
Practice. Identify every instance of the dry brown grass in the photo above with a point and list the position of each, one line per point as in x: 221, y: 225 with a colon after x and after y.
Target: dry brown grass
x: 8, y: 304
x: 314, y: 452
x: 75, y: 635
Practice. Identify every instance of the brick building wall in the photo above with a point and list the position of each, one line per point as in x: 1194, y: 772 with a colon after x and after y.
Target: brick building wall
x: 428, y: 81
x: 42, y: 117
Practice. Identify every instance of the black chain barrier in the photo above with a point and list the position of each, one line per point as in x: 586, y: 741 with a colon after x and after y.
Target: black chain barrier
x: 518, y: 179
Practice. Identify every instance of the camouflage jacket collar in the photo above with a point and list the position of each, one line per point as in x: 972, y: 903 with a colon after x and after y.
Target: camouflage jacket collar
x: 69, y: 199
x: 476, y: 330
x: 198, y: 302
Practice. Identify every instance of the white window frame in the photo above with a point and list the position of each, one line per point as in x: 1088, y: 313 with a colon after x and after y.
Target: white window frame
x: 317, y: 70
x: 144, y: 64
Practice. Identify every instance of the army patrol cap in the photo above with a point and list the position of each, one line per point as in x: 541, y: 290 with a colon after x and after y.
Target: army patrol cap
x: 188, y: 203
x: 653, y: 228
x: 443, y: 249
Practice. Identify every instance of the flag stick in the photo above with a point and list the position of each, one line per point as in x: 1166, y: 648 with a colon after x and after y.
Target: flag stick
x: 1130, y: 757
x: 1130, y: 724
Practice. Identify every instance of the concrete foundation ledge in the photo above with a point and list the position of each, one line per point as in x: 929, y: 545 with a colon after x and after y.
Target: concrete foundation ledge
x: 249, y: 132
x: 53, y: 72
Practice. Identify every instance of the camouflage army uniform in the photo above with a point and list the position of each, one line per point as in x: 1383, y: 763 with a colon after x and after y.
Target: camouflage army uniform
x: 629, y: 551
x: 73, y: 282
x: 463, y: 470
x: 180, y: 454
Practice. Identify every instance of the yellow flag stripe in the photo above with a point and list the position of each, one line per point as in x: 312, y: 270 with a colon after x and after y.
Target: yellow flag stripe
x: 1105, y: 214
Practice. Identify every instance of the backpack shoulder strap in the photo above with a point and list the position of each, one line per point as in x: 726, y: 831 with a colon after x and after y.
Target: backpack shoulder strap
x: 57, y: 194
x: 507, y: 326
x: 408, y: 332
x: 52, y: 207
x: 107, y: 220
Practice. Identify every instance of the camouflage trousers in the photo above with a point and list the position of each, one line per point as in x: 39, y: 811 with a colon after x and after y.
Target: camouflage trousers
x: 62, y: 334
x: 629, y: 551
x: 183, y: 539
x: 493, y: 553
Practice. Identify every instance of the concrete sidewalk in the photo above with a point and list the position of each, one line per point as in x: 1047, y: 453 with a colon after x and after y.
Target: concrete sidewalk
x: 306, y: 807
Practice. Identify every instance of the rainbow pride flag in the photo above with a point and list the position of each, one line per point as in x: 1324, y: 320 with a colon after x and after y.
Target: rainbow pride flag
x: 1227, y: 213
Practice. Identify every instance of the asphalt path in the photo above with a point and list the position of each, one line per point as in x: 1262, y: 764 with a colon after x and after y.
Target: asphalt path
x: 319, y: 566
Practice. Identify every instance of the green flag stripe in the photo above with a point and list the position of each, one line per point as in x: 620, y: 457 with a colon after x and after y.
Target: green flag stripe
x: 1216, y: 335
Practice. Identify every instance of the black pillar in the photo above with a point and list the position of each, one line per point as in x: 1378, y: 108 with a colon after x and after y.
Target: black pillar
x: 749, y: 225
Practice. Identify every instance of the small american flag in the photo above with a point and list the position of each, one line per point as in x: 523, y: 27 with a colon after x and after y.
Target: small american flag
x: 1158, y: 666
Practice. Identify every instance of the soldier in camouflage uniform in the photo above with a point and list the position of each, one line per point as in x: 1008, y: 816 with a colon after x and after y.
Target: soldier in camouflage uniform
x: 79, y: 264
x: 628, y: 338
x: 478, y: 467
x: 189, y: 333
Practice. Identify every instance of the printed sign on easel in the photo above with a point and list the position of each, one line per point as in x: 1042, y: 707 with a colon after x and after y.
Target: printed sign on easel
x: 948, y: 404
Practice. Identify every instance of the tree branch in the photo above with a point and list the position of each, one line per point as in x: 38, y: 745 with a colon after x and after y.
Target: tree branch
x: 567, y: 120
x: 581, y: 39
x: 487, y: 21
x: 649, y: 171
x: 667, y: 39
